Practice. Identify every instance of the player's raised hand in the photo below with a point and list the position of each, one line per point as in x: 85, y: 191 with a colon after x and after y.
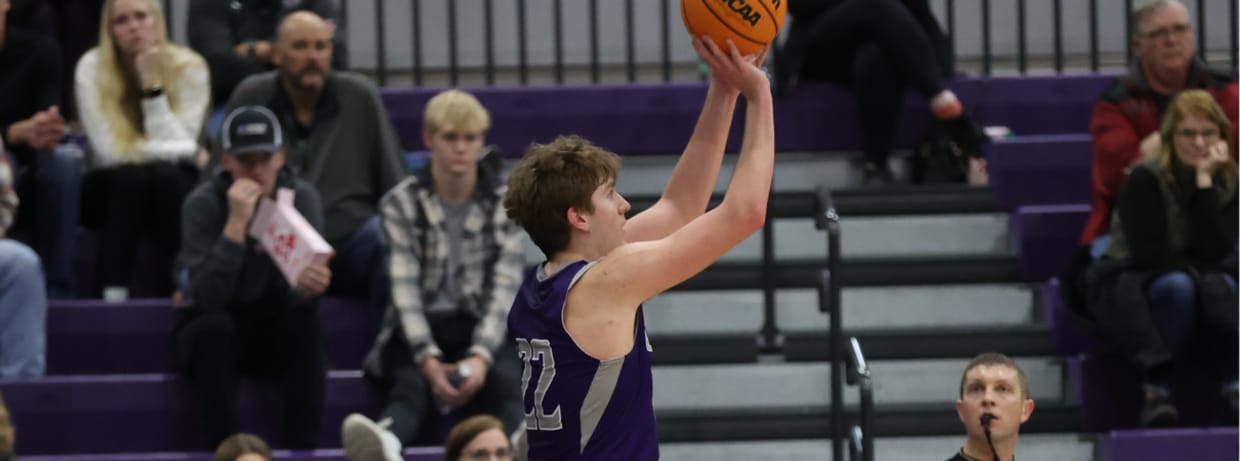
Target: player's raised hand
x: 729, y: 69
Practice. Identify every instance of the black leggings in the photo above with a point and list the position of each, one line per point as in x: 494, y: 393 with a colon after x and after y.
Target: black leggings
x: 128, y: 202
x: 878, y: 49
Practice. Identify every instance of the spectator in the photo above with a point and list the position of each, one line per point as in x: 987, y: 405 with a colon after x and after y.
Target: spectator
x: 480, y: 437
x: 1169, y: 271
x: 242, y: 316
x: 23, y: 302
x: 243, y: 447
x: 236, y: 37
x: 47, y: 178
x: 993, y: 387
x: 73, y: 24
x: 878, y: 48
x: 7, y: 436
x: 455, y: 260
x: 340, y: 140
x: 142, y: 101
x: 1124, y: 125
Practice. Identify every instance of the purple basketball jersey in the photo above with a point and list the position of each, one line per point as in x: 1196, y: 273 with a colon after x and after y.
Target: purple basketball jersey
x: 577, y: 407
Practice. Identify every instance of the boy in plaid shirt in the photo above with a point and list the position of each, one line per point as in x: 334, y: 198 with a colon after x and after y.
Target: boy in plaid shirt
x: 455, y: 261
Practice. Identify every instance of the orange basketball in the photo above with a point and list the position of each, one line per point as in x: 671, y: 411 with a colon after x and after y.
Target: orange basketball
x: 751, y: 24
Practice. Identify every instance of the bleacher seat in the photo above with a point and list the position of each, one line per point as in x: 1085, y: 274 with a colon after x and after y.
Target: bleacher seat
x: 1198, y: 444
x: 1040, y: 170
x: 657, y: 118
x: 1045, y: 237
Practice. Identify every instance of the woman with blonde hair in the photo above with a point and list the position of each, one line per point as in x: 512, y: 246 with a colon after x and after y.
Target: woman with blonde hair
x: 1175, y: 227
x: 142, y: 102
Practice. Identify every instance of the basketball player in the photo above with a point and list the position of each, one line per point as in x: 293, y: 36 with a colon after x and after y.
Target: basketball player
x: 577, y: 319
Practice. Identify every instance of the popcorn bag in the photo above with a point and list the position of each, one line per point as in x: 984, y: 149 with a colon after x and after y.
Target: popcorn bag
x: 285, y: 235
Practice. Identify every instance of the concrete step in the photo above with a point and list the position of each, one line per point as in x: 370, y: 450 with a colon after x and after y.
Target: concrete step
x: 698, y: 387
x: 876, y: 308
x: 876, y: 237
x: 1042, y: 447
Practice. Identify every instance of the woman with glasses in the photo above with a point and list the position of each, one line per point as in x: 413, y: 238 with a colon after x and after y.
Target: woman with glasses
x: 1174, y: 231
x: 480, y: 438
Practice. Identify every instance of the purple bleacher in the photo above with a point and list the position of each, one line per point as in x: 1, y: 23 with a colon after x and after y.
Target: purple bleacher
x: 152, y: 412
x: 1045, y: 238
x: 1109, y: 390
x: 1040, y: 170
x: 97, y: 337
x: 658, y: 118
x: 1068, y: 336
x: 411, y: 454
x: 1208, y: 444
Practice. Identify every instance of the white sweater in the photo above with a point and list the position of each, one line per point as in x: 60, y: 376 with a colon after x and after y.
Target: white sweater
x: 170, y: 135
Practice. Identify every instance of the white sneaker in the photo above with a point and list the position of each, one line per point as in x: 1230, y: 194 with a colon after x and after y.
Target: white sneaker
x: 366, y: 440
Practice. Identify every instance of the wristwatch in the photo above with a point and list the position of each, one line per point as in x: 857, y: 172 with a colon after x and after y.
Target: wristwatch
x: 152, y: 92
x: 249, y: 48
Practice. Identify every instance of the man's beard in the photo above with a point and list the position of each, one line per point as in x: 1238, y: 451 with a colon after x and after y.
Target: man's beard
x: 296, y: 79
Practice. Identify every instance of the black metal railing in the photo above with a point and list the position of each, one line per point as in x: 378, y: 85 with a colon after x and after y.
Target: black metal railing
x: 627, y: 61
x: 826, y: 218
x: 861, y: 434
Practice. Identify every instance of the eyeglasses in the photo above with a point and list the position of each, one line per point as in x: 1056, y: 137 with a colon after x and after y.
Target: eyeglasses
x: 502, y: 454
x: 1160, y: 33
x: 1208, y: 134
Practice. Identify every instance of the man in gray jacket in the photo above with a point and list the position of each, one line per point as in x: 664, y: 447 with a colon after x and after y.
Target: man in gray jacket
x: 340, y: 140
x: 241, y: 315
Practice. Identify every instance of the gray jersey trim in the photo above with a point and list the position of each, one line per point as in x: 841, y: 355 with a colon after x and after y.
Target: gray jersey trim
x: 598, y: 396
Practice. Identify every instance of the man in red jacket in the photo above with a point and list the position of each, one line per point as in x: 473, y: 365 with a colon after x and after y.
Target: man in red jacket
x: 1126, y: 116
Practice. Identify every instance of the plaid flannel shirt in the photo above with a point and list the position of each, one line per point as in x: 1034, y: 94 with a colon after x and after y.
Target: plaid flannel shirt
x: 489, y: 271
x: 8, y: 196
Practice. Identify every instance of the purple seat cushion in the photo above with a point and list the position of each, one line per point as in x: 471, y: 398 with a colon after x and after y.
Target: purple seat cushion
x: 1208, y: 444
x: 1045, y: 237
x: 1040, y: 170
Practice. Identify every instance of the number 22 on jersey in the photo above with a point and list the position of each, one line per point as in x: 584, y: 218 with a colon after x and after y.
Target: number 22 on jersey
x: 539, y: 350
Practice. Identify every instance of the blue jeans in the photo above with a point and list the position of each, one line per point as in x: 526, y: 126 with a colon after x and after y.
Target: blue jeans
x: 1173, y: 303
x: 50, y: 185
x: 23, y: 312
x: 359, y: 269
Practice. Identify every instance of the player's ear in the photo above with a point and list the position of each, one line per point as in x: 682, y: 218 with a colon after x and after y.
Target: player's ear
x: 1026, y: 410
x: 577, y: 220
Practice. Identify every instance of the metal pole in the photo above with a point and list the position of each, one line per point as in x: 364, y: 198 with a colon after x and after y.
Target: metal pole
x: 453, y: 70
x: 630, y: 48
x: 1021, y: 51
x: 489, y: 37
x: 986, y: 57
x: 1058, y: 21
x: 1235, y: 47
x: 417, y: 41
x: 558, y: 23
x: 522, y: 52
x: 380, y: 44
x: 1127, y: 32
x: 594, y: 71
x: 1093, y: 35
x: 1201, y: 28
x: 665, y: 40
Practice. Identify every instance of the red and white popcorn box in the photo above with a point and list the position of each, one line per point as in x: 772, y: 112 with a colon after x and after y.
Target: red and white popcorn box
x: 287, y: 237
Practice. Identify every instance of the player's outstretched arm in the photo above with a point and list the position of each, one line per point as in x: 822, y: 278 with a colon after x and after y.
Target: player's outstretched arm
x: 688, y: 191
x: 638, y: 271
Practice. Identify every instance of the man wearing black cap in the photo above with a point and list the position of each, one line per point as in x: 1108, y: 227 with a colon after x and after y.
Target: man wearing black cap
x: 994, y: 402
x: 241, y: 315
